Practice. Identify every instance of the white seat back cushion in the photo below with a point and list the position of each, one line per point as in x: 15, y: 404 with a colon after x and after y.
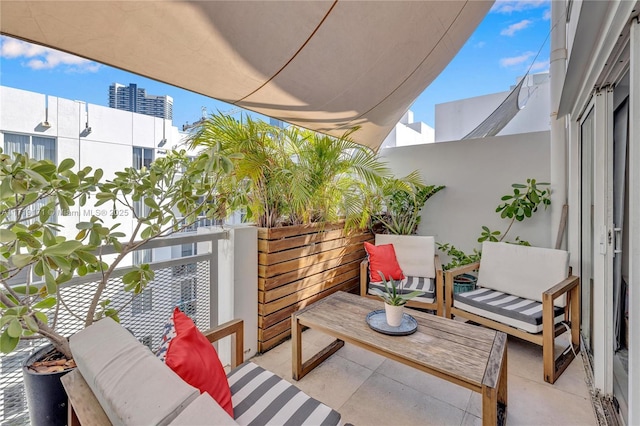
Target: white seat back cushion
x: 522, y: 271
x: 415, y: 253
x: 132, y: 385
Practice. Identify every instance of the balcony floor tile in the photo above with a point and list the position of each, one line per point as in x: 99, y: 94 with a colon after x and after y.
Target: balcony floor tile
x: 368, y: 389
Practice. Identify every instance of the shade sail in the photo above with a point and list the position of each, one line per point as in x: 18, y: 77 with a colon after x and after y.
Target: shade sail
x: 323, y: 65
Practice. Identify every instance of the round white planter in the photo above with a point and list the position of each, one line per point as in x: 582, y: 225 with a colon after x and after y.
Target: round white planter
x: 394, y: 314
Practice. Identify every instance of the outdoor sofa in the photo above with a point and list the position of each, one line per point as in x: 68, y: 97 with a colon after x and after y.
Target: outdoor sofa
x: 129, y: 385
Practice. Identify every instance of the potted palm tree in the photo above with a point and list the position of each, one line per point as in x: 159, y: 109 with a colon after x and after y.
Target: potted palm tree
x: 307, y: 194
x: 37, y: 255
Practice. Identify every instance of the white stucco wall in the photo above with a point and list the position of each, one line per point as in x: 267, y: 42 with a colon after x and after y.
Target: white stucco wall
x: 476, y: 173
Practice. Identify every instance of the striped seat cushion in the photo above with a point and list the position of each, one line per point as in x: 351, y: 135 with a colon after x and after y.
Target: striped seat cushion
x: 409, y: 284
x: 260, y: 398
x: 515, y: 311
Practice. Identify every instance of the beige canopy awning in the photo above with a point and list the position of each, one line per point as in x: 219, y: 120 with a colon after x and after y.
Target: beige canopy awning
x: 324, y: 65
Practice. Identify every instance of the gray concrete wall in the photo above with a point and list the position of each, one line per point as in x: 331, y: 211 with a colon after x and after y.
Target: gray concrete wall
x: 477, y: 173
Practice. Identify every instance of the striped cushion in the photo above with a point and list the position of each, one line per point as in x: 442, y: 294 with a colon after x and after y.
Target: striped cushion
x: 260, y: 397
x: 409, y: 284
x: 515, y: 311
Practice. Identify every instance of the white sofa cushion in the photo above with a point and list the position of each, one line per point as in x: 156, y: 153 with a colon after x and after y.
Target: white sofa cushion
x: 415, y: 253
x: 263, y: 398
x: 521, y: 270
x: 132, y: 385
x: 204, y: 411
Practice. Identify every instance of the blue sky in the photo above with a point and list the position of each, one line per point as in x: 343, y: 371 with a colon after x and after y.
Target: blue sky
x: 501, y: 49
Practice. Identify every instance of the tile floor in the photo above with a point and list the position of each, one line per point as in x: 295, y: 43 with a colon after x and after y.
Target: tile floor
x: 368, y: 389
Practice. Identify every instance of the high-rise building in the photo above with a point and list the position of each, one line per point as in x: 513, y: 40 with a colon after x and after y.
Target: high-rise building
x: 135, y: 99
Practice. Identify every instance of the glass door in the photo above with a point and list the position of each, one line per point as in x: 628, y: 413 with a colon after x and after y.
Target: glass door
x: 621, y: 252
x: 587, y: 225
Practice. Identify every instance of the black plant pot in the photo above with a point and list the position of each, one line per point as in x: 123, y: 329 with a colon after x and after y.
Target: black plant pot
x: 46, y: 398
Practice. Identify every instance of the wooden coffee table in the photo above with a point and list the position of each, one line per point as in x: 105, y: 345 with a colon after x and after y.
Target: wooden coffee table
x: 464, y: 354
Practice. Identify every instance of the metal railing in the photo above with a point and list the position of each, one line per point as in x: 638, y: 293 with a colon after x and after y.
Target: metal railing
x: 190, y: 283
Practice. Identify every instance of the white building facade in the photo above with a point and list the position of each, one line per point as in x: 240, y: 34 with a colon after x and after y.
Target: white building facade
x: 454, y: 120
x: 407, y: 132
x: 135, y: 99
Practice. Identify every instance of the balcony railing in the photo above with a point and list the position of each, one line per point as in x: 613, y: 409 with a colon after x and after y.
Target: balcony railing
x: 190, y: 283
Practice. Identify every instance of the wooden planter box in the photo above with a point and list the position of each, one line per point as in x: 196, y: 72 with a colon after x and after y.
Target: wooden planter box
x: 298, y: 265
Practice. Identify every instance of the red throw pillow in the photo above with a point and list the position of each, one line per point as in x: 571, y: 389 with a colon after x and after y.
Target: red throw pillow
x: 194, y: 359
x: 383, y: 258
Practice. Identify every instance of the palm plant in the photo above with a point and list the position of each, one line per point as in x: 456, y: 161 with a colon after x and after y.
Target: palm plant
x: 291, y: 176
x: 402, y: 201
x: 393, y: 292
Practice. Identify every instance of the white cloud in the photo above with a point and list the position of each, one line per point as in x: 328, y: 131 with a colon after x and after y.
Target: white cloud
x: 514, y: 28
x: 42, y: 58
x: 540, y: 66
x: 509, y: 6
x: 515, y: 60
x: 546, y: 15
x: 480, y: 44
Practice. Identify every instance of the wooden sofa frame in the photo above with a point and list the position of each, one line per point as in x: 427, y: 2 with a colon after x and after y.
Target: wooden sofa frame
x: 84, y: 408
x: 437, y: 305
x: 552, y: 366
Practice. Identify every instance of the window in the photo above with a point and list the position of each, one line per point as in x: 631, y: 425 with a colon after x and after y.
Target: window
x: 36, y: 147
x: 142, y: 256
x: 181, y: 270
x: 189, y: 249
x: 142, y: 157
x: 142, y: 302
x: 185, y: 296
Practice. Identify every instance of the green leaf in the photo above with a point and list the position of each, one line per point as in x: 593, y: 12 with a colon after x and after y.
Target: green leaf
x: 21, y: 260
x: 151, y: 203
x: 35, y: 176
x: 7, y: 342
x: 46, y: 212
x: 29, y: 239
x: 82, y: 270
x: 22, y: 289
x: 14, y: 329
x: 64, y: 204
x: 7, y: 236
x: 66, y: 164
x: 31, y: 323
x: 48, y: 238
x: 50, y: 282
x: 41, y: 317
x: 64, y: 248
x: 47, y: 303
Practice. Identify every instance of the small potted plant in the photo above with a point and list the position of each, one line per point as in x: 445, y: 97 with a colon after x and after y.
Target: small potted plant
x: 394, y: 299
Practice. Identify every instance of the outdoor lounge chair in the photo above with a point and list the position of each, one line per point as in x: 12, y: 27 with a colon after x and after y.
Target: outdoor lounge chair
x: 419, y: 263
x: 527, y: 292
